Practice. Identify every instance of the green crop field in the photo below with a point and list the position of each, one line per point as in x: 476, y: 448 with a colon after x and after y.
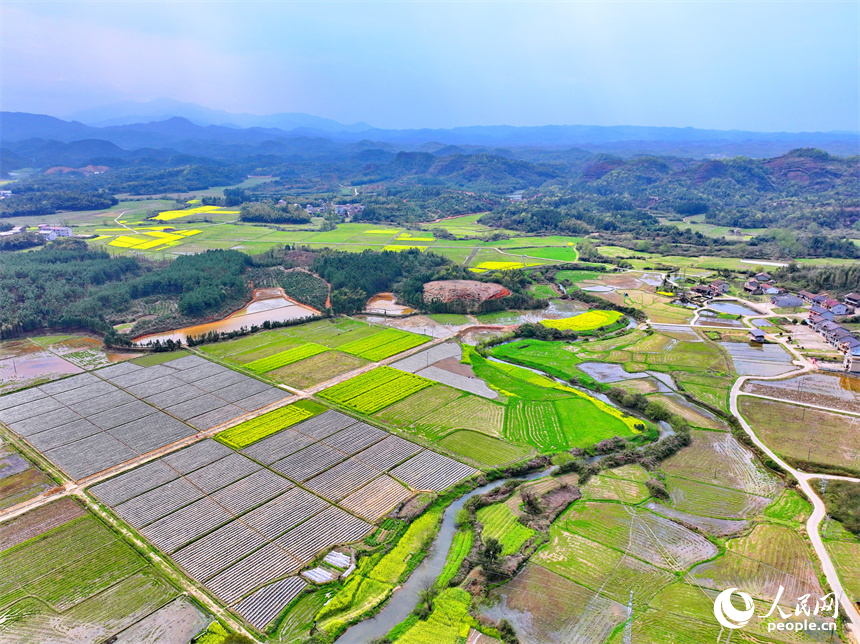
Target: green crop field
x: 713, y: 501
x: 485, y: 450
x: 384, y: 345
x: 790, y: 507
x: 374, y: 390
x: 461, y: 544
x: 449, y: 623
x: 272, y: 422
x: 552, y: 357
x: 79, y: 576
x: 467, y: 412
x: 599, y: 567
x: 406, y: 412
x: 543, y: 290
x: 502, y: 524
x: 284, y: 358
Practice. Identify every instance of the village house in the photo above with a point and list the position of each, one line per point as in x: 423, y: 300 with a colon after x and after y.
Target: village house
x: 853, y: 299
x: 720, y: 286
x: 701, y: 290
x: 806, y: 295
x: 851, y: 362
x: 821, y: 298
x: 771, y: 289
x: 848, y: 343
x: 835, y: 336
x: 752, y: 287
x: 763, y: 277
x: 836, y: 307
x: 820, y: 311
x: 757, y: 335
x: 786, y: 301
x: 60, y: 231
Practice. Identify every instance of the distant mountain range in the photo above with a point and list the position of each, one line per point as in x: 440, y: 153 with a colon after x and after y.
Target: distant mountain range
x: 162, y: 109
x: 221, y: 135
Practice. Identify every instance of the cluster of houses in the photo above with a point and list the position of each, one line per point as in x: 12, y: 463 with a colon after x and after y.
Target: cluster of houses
x: 50, y: 232
x: 762, y: 284
x: 822, y: 315
x: 346, y: 210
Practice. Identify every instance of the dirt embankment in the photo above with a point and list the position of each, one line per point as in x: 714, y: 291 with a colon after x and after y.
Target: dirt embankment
x: 463, y: 290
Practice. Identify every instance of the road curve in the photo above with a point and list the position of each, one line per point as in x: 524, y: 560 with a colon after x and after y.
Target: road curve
x: 803, y: 478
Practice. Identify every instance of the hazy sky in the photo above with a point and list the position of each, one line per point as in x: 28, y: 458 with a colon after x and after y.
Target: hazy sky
x: 769, y: 66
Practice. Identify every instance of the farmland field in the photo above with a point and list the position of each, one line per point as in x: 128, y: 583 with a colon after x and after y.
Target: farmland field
x: 485, y: 450
x: 802, y: 434
x: 20, y: 480
x: 587, y: 321
x: 78, y: 576
x: 610, y: 488
x: 545, y: 606
x: 600, y: 567
x: 657, y: 540
x: 384, y: 344
x: 258, y: 428
x: 374, y: 390
x: 501, y: 524
x: 770, y: 556
x: 718, y: 458
x: 284, y: 358
x: 317, y: 369
x: 551, y: 357
x: 404, y: 412
x: 467, y: 412
x: 707, y: 500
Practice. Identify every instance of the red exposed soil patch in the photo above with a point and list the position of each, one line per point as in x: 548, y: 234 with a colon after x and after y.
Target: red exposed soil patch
x: 709, y: 170
x: 463, y: 290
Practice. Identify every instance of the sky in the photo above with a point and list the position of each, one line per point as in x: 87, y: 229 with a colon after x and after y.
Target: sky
x: 762, y: 66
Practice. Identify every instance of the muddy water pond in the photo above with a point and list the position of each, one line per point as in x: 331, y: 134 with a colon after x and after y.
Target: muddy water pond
x: 386, y: 303
x: 266, y: 306
x: 732, y: 307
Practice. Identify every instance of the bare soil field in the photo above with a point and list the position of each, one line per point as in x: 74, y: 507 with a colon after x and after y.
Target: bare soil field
x: 463, y: 290
x: 805, y: 434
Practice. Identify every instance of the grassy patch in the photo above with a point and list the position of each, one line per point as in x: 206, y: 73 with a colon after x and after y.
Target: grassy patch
x: 502, y: 524
x: 461, y: 544
x: 152, y: 359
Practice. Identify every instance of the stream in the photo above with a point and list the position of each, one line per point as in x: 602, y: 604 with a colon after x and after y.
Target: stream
x: 404, y: 600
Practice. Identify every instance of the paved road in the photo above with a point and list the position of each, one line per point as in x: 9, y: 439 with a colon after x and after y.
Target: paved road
x: 804, y: 481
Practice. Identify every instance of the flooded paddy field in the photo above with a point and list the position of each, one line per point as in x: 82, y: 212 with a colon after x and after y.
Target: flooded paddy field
x: 40, y: 359
x: 759, y: 360
x: 828, y: 390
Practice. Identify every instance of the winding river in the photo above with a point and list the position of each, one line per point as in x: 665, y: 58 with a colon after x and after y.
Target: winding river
x: 404, y: 600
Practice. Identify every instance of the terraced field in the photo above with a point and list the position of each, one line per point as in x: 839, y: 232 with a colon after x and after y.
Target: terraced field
x: 769, y: 557
x: 713, y: 501
x: 654, y: 539
x: 719, y: 459
x: 601, y: 568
